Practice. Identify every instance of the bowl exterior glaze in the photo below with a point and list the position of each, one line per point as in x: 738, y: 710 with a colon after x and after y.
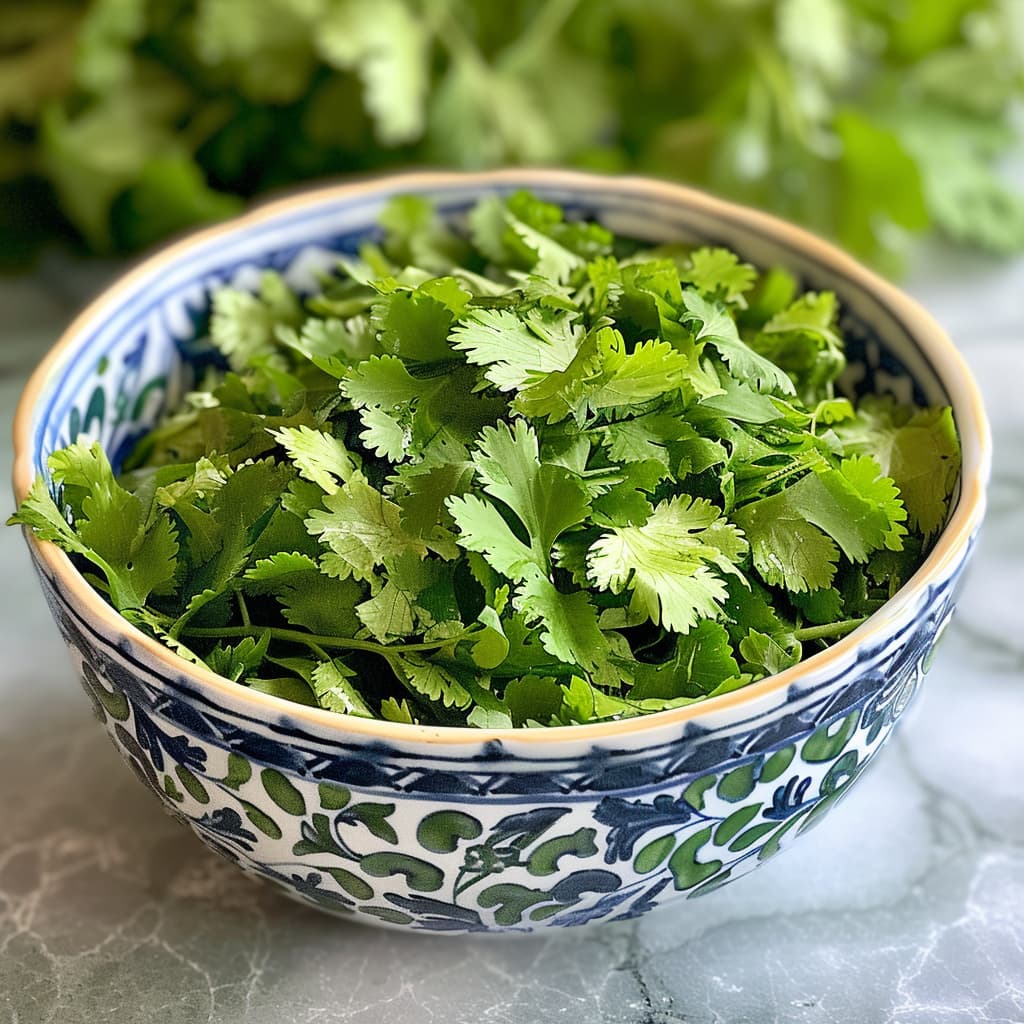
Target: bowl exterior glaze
x: 465, y: 830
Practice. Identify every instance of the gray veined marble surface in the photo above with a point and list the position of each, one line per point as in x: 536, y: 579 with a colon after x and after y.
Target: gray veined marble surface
x: 907, y: 906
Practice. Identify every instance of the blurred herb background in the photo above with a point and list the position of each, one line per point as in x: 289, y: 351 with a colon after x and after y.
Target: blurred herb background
x: 123, y: 121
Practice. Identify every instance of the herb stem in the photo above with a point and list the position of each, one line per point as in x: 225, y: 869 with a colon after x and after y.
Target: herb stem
x: 829, y: 630
x: 243, y: 608
x: 313, y: 640
x: 541, y: 32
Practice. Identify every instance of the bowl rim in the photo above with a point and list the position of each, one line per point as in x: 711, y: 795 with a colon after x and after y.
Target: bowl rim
x: 935, y: 345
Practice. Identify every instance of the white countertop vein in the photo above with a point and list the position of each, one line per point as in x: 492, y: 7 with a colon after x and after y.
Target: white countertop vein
x: 905, y: 907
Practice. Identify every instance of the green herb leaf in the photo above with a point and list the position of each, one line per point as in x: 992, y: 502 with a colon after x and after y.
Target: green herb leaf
x: 669, y: 563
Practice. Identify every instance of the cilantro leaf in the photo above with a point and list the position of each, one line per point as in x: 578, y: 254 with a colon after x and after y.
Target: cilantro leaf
x: 802, y: 340
x: 415, y: 324
x: 382, y: 41
x: 279, y: 567
x: 917, y: 448
x: 322, y: 604
x: 331, y: 682
x: 645, y: 437
x: 668, y: 563
x: 483, y: 529
x: 787, y: 550
x: 649, y: 370
x: 701, y: 659
x: 517, y: 350
x: 415, y: 235
x: 718, y: 328
x: 318, y: 456
x: 240, y: 660
x: 384, y: 382
x: 545, y: 497
x: 384, y: 435
x: 136, y: 549
x: 529, y: 234
x: 718, y: 274
x: 532, y: 699
x: 389, y: 613
x: 243, y: 326
x: 568, y: 622
x: 361, y: 528
x: 431, y: 680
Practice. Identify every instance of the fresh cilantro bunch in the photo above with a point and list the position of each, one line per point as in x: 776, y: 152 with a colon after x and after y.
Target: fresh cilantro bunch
x: 521, y: 474
x: 127, y: 120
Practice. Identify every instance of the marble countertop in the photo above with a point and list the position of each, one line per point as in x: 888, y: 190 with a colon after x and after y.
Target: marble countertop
x: 906, y: 907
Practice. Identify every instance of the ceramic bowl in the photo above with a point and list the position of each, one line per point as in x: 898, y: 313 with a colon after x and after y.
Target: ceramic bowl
x: 464, y: 830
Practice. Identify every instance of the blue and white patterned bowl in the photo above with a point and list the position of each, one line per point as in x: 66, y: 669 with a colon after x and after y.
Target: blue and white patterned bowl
x: 460, y: 830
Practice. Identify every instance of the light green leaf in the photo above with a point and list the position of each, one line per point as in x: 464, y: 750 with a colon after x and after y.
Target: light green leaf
x: 517, y: 350
x: 320, y: 457
x: 361, y: 528
x: 568, y: 622
x: 432, y: 681
x: 335, y: 691
x: 386, y: 44
x: 668, y: 563
x: 384, y: 381
x: 718, y: 328
x: 389, y: 614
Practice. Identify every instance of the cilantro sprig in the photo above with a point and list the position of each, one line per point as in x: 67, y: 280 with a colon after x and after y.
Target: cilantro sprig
x: 123, y: 122
x: 551, y: 478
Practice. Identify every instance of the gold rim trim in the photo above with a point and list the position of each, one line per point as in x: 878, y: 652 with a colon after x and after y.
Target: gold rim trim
x: 935, y: 345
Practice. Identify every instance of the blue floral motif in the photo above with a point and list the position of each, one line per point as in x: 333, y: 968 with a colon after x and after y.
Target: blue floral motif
x: 789, y: 798
x: 506, y: 844
x: 573, y: 887
x: 631, y: 819
x: 157, y: 742
x: 226, y: 823
x: 646, y: 901
x: 311, y: 886
x: 604, y: 907
x: 437, y: 915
